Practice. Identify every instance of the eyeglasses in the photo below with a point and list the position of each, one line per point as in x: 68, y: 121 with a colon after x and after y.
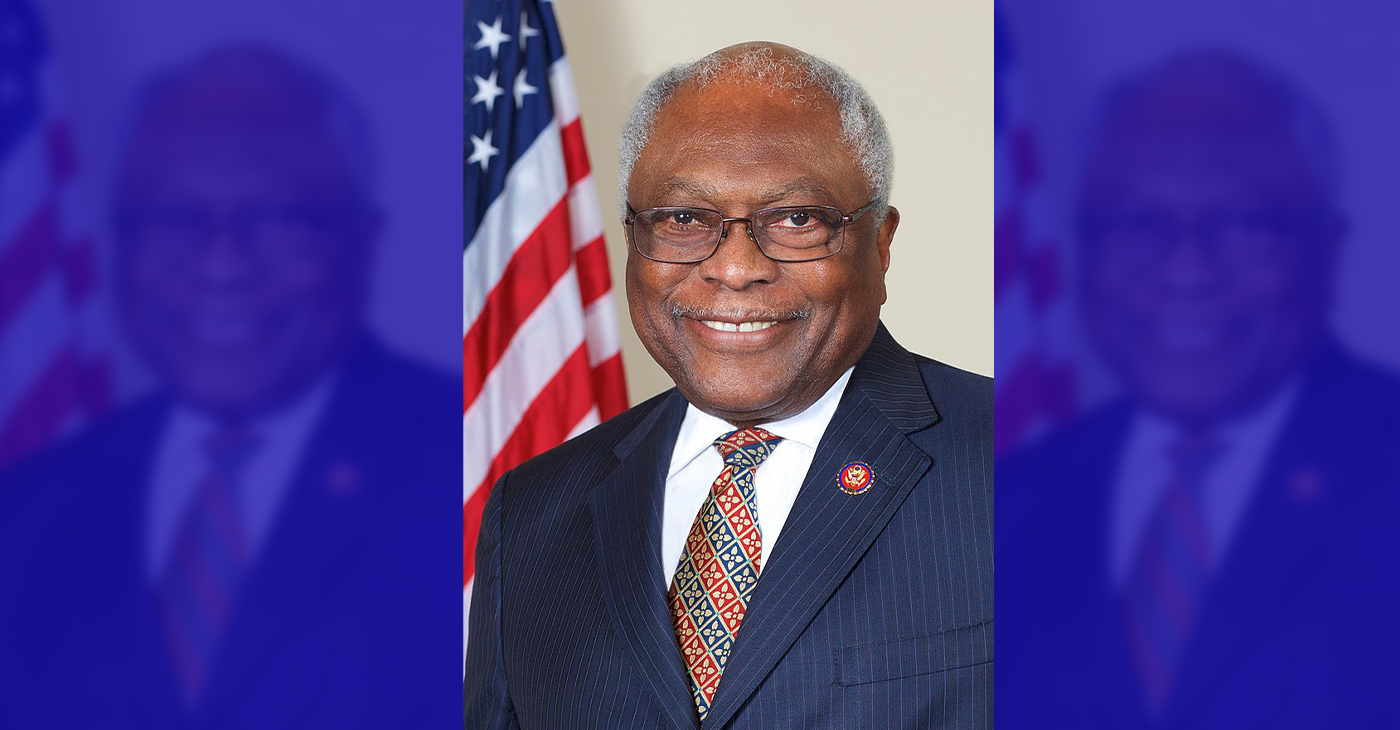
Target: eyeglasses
x: 1238, y: 240
x: 691, y: 235
x: 176, y: 235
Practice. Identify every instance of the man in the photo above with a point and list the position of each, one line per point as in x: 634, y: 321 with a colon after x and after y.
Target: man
x: 1211, y: 550
x: 247, y: 546
x: 799, y: 534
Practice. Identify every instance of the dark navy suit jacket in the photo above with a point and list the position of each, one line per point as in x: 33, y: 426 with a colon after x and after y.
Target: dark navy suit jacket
x: 346, y: 620
x: 873, y: 611
x: 1298, y: 628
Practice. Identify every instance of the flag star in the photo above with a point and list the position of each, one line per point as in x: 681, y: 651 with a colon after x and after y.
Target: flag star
x: 482, y: 151
x: 487, y: 90
x: 491, y: 36
x: 522, y: 89
x: 526, y: 32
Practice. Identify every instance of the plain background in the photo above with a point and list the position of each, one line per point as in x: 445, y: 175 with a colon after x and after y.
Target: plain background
x: 929, y: 68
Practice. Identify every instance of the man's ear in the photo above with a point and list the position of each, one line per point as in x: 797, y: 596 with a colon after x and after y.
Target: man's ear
x: 886, y: 237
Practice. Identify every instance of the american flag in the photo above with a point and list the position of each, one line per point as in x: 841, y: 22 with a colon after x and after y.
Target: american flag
x: 53, y: 371
x: 540, y: 349
x: 1035, y: 386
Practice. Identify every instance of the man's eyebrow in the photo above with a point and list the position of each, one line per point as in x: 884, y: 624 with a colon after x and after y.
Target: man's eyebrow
x: 699, y: 189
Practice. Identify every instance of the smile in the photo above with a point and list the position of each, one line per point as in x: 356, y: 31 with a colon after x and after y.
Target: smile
x: 736, y: 327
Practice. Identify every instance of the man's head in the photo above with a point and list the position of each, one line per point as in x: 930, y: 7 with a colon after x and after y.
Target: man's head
x: 245, y: 228
x: 751, y: 127
x: 1210, y: 235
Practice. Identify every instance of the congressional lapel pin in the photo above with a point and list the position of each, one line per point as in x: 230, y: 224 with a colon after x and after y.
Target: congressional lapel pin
x: 342, y: 479
x: 856, y: 477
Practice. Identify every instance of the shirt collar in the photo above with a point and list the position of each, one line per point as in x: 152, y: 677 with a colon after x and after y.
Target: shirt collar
x: 1259, y: 424
x: 700, y: 429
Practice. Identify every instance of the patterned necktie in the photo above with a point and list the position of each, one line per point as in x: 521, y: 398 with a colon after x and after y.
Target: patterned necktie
x: 1170, y: 572
x: 206, y: 565
x: 719, y: 567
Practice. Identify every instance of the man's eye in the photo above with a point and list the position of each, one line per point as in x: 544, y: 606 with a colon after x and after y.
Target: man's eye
x: 799, y: 219
x: 682, y: 218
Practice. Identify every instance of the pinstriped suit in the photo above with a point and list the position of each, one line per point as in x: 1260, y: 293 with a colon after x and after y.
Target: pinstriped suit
x: 873, y: 611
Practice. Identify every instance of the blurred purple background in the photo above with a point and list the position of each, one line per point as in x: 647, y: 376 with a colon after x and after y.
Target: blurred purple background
x: 229, y: 436
x: 1197, y: 374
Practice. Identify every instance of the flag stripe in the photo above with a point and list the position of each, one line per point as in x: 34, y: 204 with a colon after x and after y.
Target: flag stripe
x: 549, y: 419
x: 529, y: 277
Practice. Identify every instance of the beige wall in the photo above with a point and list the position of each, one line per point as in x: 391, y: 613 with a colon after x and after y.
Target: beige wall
x: 929, y: 67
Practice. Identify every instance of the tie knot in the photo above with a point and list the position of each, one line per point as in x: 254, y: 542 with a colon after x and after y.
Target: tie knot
x: 229, y: 449
x: 1194, y: 454
x: 746, y: 448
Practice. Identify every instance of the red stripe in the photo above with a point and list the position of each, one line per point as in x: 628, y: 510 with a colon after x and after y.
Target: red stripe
x: 555, y: 411
x: 609, y: 387
x: 79, y: 270
x: 47, y: 403
x: 1033, y: 391
x: 61, y: 158
x: 594, y: 279
x: 26, y: 260
x: 575, y: 151
x: 1006, y: 263
x: 1023, y: 157
x: 531, y: 273
x: 1043, y: 275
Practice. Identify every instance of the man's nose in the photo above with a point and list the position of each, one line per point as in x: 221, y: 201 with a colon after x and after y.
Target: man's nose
x: 1190, y: 262
x: 738, y: 262
x: 226, y: 257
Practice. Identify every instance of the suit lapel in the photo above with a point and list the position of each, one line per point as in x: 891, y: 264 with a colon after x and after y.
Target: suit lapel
x: 829, y: 530
x: 626, y: 509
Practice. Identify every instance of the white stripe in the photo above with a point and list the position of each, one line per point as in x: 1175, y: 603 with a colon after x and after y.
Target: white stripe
x: 535, y: 355
x: 585, y: 222
x: 600, y: 329
x: 561, y: 88
x: 37, y: 333
x: 589, y: 420
x: 25, y: 178
x: 533, y: 187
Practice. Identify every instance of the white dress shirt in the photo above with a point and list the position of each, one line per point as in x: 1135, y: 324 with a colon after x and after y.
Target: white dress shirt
x: 1229, y: 483
x: 182, y: 462
x: 695, y: 463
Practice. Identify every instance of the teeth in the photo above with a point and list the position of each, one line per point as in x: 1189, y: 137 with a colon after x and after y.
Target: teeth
x: 741, y: 327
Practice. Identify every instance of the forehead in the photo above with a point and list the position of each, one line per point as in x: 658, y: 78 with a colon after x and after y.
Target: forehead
x: 735, y: 138
x: 1203, y: 131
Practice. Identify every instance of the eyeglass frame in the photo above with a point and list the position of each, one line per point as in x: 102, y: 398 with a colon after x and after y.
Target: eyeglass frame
x: 846, y: 219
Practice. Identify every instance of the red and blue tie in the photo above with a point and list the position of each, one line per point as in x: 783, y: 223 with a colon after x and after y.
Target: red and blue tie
x: 1170, y: 573
x: 720, y: 564
x: 207, y: 564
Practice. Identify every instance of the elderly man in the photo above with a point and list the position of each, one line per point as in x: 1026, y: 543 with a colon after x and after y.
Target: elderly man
x: 1211, y: 549
x: 798, y: 535
x: 231, y: 550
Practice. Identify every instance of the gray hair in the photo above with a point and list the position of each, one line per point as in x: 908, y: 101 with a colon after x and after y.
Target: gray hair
x: 1298, y: 112
x: 346, y: 123
x: 862, y: 127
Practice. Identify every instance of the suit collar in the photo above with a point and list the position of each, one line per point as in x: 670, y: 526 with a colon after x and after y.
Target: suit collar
x: 626, y: 509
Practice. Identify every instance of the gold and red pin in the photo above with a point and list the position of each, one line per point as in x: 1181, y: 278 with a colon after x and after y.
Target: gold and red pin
x: 855, y: 477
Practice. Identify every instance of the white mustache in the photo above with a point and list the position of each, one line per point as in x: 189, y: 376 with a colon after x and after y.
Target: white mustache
x: 738, y: 315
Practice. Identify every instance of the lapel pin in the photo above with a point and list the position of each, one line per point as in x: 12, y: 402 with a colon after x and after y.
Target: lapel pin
x: 856, y: 477
x: 1307, y: 485
x: 342, y: 479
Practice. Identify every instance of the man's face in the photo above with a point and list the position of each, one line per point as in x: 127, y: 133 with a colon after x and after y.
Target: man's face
x: 1208, y: 256
x: 243, y: 249
x: 737, y: 148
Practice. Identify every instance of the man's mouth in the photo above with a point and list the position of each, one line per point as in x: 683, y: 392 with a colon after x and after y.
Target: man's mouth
x: 738, y: 326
